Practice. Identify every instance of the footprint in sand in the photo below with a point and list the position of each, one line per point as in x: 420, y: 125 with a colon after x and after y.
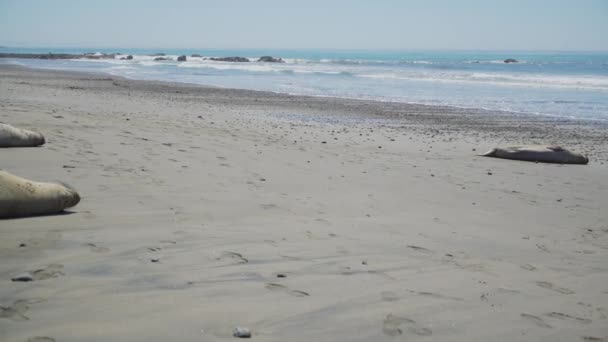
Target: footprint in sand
x: 392, y: 324
x: 395, y: 326
x: 420, y: 331
x: 283, y: 288
x: 235, y: 258
x: 550, y: 286
x: 50, y: 271
x: 17, y: 310
x: 536, y: 320
x: 389, y: 296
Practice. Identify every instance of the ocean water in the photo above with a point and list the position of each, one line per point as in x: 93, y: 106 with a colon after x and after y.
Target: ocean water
x: 562, y: 84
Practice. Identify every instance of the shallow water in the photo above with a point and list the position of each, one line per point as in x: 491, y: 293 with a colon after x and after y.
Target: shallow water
x: 564, y: 84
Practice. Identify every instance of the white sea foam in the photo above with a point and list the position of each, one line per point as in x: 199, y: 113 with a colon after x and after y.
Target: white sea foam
x: 531, y: 80
x: 380, y: 72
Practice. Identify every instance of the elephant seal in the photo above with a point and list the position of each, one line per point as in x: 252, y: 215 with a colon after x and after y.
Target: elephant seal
x: 16, y: 137
x: 539, y: 153
x: 22, y: 197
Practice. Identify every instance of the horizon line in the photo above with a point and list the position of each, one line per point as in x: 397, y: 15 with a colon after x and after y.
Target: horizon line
x: 297, y: 49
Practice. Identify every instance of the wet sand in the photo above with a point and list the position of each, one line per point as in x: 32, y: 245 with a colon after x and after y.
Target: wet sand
x: 300, y: 218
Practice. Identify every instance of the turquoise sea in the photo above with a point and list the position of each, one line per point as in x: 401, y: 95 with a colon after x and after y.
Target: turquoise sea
x: 563, y: 84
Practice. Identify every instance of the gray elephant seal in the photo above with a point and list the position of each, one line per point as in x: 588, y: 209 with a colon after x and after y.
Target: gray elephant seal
x: 540, y: 153
x: 22, y: 197
x: 16, y: 137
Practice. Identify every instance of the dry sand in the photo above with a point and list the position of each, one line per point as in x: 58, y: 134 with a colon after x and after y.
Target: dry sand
x: 381, y: 220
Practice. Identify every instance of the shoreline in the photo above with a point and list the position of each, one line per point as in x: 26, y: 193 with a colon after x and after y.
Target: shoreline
x: 299, y: 218
x: 564, y: 115
x: 431, y: 108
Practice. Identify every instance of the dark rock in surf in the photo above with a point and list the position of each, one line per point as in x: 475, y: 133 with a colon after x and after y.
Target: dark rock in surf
x: 181, y: 58
x: 162, y: 59
x: 56, y: 56
x: 511, y: 60
x: 230, y: 59
x: 129, y: 57
x: 270, y: 59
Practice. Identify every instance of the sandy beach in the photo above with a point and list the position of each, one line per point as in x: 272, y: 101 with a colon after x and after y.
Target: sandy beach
x: 300, y: 218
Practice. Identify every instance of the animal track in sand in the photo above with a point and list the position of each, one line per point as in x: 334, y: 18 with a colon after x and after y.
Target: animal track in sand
x: 237, y: 257
x: 560, y: 315
x: 600, y: 312
x: 51, y: 271
x: 528, y: 267
x: 434, y: 295
x: 283, y: 288
x: 97, y: 249
x: 420, y: 249
x: 536, y: 320
x: 543, y: 248
x: 550, y: 286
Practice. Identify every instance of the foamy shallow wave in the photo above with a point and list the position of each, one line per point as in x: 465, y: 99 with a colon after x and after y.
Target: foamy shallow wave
x: 575, y: 82
x: 368, y: 69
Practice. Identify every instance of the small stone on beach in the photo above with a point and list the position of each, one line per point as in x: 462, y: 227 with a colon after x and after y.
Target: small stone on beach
x: 23, y: 277
x: 241, y: 332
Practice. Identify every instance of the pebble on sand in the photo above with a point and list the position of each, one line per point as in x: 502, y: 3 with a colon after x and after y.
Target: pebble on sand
x: 241, y: 332
x: 23, y: 277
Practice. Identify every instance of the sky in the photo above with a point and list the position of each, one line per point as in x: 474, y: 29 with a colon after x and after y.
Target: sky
x: 324, y: 24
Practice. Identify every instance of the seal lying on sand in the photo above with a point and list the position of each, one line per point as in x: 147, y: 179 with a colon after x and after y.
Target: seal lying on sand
x: 15, y: 137
x: 22, y: 197
x: 540, y: 153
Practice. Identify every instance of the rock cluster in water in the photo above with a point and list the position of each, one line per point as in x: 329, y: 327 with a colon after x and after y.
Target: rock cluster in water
x: 157, y: 57
x: 230, y: 59
x: 270, y: 59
